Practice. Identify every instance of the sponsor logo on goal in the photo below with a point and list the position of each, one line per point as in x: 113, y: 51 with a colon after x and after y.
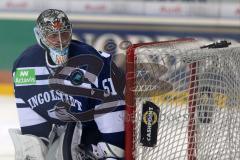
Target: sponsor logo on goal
x: 149, y: 124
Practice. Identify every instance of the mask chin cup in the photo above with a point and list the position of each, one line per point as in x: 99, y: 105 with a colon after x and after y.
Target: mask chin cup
x: 59, y: 57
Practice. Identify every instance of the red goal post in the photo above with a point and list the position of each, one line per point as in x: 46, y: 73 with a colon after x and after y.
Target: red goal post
x: 199, y: 101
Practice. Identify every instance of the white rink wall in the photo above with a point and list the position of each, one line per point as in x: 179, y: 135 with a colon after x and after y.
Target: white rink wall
x: 8, y: 119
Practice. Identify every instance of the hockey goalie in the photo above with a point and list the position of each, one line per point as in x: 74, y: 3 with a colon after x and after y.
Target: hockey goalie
x: 69, y: 97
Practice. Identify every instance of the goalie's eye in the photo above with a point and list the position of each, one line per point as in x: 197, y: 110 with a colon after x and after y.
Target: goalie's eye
x: 59, y: 38
x: 56, y: 36
x: 52, y: 36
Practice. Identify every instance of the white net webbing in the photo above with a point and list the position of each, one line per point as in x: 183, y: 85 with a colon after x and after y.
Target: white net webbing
x: 197, y: 91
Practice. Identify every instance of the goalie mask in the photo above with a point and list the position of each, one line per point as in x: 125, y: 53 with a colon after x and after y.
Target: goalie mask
x: 54, y: 32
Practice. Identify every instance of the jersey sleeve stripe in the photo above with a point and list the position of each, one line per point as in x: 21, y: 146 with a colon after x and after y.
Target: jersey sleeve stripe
x: 19, y: 101
x: 104, y: 54
x: 38, y: 70
x: 55, y: 81
x: 28, y: 117
x: 38, y: 83
x: 110, y: 122
x: 110, y: 104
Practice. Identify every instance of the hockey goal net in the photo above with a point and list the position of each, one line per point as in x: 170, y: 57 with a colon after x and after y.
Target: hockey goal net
x: 182, y: 101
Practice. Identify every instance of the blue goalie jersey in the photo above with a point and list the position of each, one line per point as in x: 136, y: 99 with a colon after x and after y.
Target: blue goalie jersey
x: 88, y: 83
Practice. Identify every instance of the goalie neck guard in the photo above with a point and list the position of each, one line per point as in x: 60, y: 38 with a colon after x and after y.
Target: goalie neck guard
x: 54, y: 33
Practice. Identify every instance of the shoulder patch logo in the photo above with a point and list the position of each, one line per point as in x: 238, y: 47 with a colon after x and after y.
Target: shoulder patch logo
x: 25, y: 76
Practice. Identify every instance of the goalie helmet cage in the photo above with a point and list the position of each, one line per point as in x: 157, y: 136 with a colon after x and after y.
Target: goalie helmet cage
x: 197, y: 92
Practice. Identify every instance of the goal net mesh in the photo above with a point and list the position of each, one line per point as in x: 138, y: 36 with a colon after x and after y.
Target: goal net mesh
x: 197, y: 92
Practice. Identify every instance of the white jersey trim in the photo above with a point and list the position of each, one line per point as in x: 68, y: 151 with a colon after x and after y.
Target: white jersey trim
x: 38, y: 83
x: 19, y: 101
x: 28, y: 117
x: 110, y: 122
x: 55, y: 81
x: 104, y: 54
x: 110, y: 104
x: 38, y: 70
